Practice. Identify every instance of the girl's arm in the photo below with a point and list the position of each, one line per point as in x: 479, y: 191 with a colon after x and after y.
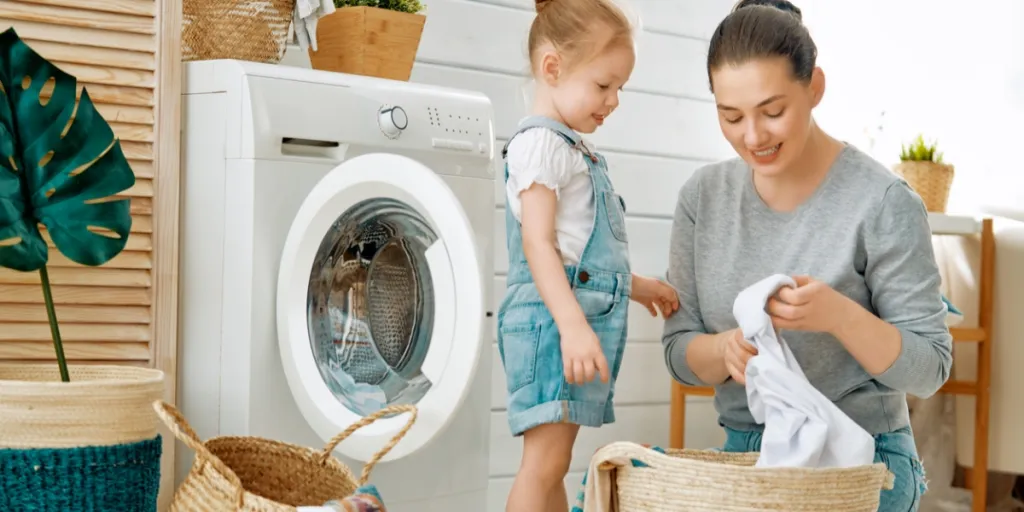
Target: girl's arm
x: 539, y: 204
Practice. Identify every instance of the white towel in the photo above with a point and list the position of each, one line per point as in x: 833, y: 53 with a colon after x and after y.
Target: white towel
x: 305, y: 17
x: 802, y: 428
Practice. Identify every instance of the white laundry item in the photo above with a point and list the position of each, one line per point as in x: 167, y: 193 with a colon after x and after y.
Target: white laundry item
x: 305, y: 17
x: 802, y: 428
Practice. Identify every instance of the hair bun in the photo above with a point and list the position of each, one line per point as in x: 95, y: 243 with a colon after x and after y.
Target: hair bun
x: 782, y: 5
x: 541, y: 4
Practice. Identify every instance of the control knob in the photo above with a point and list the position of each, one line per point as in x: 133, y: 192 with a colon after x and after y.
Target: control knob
x: 392, y: 120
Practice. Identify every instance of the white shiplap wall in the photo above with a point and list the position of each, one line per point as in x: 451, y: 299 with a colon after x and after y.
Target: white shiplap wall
x: 664, y: 129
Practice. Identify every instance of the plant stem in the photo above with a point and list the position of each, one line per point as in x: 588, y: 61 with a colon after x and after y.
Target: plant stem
x: 51, y: 313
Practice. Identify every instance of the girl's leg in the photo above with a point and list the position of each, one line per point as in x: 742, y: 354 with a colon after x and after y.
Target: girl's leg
x: 539, y: 484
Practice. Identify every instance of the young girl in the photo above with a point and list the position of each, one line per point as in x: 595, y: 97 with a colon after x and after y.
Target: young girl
x: 563, y: 320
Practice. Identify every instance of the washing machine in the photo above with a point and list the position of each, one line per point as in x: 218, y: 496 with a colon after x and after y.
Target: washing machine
x: 336, y: 258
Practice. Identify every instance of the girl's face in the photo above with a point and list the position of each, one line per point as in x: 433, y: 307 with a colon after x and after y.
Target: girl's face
x: 765, y: 113
x: 588, y: 93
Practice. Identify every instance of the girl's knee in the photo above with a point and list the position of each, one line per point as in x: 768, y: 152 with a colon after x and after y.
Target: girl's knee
x: 547, y: 450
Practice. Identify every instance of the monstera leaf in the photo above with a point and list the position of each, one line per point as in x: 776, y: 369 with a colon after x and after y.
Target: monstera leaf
x: 59, y: 166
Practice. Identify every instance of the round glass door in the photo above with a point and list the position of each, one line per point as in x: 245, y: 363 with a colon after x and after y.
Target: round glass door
x: 370, y: 311
x: 370, y: 305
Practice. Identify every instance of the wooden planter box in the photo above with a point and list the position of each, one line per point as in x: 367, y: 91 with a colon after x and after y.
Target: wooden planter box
x: 368, y: 41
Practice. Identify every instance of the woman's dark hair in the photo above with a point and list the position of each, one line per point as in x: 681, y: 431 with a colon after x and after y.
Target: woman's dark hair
x: 763, y: 28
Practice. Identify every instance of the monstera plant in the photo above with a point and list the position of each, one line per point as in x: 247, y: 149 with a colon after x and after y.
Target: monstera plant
x: 60, y: 166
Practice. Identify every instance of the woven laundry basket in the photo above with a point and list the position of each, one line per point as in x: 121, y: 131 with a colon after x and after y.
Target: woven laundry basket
x: 252, y: 474
x: 251, y: 30
x: 88, y: 445
x: 713, y: 481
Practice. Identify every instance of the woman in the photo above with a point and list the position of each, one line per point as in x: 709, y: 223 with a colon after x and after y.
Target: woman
x: 866, y: 322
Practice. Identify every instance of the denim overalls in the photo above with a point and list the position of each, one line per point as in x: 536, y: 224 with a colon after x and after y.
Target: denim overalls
x: 895, y: 449
x: 528, y: 339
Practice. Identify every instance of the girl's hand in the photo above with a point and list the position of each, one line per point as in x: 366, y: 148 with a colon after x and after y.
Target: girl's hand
x: 582, y: 355
x: 655, y: 295
x: 736, y: 352
x: 812, y: 306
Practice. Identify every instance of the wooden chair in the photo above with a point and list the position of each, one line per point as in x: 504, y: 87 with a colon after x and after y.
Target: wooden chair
x: 982, y: 335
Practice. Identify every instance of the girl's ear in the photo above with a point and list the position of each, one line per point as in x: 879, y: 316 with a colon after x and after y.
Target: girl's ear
x: 550, y: 66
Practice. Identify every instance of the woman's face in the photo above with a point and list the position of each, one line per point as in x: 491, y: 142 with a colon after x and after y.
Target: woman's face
x: 765, y: 113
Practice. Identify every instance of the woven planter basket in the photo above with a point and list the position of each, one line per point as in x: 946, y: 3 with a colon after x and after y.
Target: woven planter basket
x: 252, y: 474
x: 931, y: 180
x: 88, y: 445
x: 251, y: 30
x: 712, y: 481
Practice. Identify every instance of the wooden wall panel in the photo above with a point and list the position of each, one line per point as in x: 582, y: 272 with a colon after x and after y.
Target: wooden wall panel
x: 127, y: 54
x: 105, y: 312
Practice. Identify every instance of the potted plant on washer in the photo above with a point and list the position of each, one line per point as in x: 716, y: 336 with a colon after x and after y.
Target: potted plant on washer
x: 82, y: 437
x: 377, y: 38
x: 922, y: 166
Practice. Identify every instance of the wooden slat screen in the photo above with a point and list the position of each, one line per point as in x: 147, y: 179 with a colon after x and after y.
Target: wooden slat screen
x: 105, y: 312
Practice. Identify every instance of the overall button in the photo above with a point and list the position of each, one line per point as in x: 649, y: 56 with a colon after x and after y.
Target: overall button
x: 584, y: 276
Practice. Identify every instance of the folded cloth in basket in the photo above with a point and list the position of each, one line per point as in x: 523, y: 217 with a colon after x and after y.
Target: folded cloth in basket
x: 304, y: 20
x: 802, y: 428
x: 364, y: 499
x: 597, y: 493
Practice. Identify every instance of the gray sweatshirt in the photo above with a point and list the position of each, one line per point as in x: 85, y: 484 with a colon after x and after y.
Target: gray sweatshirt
x: 863, y: 231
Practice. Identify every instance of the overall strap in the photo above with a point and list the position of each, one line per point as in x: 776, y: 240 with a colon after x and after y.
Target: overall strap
x: 571, y: 137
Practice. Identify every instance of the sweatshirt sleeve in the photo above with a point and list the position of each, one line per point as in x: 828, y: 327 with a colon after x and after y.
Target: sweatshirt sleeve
x: 686, y: 324
x: 905, y: 286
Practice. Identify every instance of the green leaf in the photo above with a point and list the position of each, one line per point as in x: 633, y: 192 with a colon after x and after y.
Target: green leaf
x: 410, y: 6
x: 59, y: 166
x: 921, y: 151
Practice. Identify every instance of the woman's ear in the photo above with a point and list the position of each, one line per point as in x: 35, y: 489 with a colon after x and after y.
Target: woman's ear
x: 817, y: 86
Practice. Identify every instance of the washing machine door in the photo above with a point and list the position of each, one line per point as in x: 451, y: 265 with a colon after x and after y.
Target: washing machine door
x: 370, y: 309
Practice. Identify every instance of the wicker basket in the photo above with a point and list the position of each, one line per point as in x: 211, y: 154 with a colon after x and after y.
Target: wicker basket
x: 931, y: 180
x: 253, y: 474
x: 88, y: 445
x: 713, y: 481
x: 251, y: 30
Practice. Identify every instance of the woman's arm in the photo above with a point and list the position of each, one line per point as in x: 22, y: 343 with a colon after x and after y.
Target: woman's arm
x: 907, y: 346
x: 539, y: 204
x: 692, y: 355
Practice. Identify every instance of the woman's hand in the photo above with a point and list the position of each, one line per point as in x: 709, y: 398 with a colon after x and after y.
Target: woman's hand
x: 736, y: 351
x: 582, y: 355
x: 655, y: 295
x: 811, y: 306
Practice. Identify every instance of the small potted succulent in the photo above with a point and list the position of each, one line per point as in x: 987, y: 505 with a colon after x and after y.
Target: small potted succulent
x: 81, y: 437
x: 377, y: 38
x: 922, y: 166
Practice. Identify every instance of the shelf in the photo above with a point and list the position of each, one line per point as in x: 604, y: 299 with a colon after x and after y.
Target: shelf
x: 959, y: 387
x: 943, y: 224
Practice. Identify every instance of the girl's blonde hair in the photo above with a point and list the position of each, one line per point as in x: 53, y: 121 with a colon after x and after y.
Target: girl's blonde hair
x: 573, y: 28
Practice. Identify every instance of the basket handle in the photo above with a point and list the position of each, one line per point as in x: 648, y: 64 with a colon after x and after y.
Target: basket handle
x: 179, y: 426
x: 364, y: 421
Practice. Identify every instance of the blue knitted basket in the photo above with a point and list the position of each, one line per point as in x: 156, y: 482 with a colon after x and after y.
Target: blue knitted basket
x: 121, y: 478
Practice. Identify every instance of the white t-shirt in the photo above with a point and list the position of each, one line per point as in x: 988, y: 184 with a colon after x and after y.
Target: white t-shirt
x: 539, y: 155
